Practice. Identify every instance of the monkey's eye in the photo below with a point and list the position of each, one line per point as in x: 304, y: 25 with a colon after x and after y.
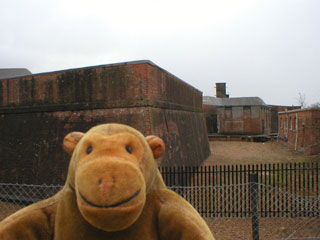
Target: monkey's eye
x: 129, y: 149
x: 89, y: 149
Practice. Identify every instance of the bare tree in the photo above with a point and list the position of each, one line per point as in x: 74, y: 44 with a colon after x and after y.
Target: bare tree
x: 315, y: 105
x: 302, y: 100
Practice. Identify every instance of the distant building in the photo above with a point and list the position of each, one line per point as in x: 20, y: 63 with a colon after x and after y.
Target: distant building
x: 247, y: 115
x: 300, y: 130
x: 242, y: 115
x: 13, y: 72
x: 275, y: 109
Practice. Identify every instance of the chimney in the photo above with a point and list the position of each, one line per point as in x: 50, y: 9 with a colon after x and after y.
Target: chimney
x: 221, y: 90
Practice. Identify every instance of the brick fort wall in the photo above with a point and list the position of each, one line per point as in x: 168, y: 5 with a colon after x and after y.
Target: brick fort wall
x: 37, y: 111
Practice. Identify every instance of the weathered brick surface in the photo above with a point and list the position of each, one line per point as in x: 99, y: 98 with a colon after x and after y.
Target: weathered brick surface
x: 237, y: 120
x: 36, y: 112
x: 300, y: 130
x: 108, y: 86
x: 275, y: 109
x: 175, y: 127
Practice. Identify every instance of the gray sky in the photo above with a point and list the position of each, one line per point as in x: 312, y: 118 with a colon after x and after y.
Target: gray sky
x: 265, y: 48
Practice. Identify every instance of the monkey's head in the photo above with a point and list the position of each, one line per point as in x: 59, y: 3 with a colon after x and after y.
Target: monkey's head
x: 111, y: 170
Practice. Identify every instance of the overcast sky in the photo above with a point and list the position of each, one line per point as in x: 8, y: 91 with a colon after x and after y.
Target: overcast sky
x: 264, y: 48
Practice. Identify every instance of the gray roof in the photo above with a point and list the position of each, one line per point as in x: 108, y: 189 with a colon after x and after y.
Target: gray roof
x: 240, y: 101
x: 13, y: 72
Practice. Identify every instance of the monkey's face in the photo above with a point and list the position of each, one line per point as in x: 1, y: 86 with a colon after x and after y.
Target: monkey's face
x: 109, y: 182
x: 110, y: 177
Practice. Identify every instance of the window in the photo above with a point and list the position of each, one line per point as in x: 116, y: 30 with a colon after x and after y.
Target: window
x: 228, y: 112
x: 247, y: 111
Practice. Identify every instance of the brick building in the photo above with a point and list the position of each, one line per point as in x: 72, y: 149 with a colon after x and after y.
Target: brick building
x: 275, y: 109
x: 241, y: 116
x: 300, y: 130
x: 37, y: 111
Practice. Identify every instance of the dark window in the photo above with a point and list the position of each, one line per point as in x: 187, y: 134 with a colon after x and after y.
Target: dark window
x: 228, y: 112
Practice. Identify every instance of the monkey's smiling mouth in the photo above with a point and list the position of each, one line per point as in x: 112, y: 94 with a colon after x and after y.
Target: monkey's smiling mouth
x: 112, y: 205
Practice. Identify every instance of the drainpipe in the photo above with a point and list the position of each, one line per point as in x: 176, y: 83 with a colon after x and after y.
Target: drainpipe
x: 218, y: 120
x: 297, y: 132
x: 287, y: 125
x: 279, y: 128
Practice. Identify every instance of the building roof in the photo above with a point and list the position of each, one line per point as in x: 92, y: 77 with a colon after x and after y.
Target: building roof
x: 300, y: 110
x: 13, y: 72
x: 240, y: 101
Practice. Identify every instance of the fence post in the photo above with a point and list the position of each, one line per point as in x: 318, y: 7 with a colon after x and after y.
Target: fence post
x: 253, y: 180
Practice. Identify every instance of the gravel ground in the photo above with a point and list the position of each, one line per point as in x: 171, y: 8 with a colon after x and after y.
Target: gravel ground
x: 225, y: 153
x: 228, y: 153
x: 7, y: 208
x: 269, y: 228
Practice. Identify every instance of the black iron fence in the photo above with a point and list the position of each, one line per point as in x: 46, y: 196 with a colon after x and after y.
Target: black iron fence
x: 284, y: 190
x: 269, y: 201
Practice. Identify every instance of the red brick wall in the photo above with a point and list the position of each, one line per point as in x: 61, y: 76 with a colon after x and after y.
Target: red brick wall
x: 306, y: 135
x: 175, y: 126
x: 238, y: 120
x: 36, y: 112
x: 100, y: 87
x: 275, y: 109
x: 172, y: 92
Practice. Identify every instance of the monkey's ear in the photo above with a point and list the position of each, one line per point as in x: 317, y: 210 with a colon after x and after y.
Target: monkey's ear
x: 71, y: 140
x: 157, y: 145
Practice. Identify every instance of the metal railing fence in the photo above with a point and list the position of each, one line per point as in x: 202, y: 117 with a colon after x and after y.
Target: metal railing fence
x: 232, y: 211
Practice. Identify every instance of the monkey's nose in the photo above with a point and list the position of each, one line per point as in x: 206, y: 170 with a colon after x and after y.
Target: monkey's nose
x: 106, y: 183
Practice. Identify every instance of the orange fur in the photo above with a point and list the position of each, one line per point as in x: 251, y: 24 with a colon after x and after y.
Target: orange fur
x: 114, y: 190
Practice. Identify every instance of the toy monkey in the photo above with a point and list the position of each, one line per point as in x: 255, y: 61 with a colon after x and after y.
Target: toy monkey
x: 113, y: 190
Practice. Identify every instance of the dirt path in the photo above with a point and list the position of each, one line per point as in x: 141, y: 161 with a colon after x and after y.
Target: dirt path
x: 269, y: 228
x: 228, y: 153
x: 225, y: 153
